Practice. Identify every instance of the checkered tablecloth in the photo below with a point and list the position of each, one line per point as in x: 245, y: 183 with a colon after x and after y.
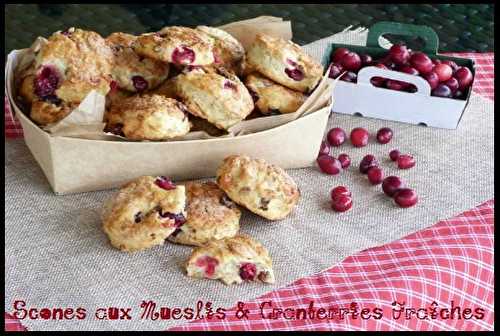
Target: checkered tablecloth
x: 434, y: 275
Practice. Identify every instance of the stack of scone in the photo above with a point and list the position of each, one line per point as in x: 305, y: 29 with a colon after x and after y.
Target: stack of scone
x: 149, y: 210
x: 158, y: 85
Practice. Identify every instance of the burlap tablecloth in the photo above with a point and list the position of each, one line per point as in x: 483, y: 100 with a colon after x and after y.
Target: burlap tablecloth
x: 58, y: 256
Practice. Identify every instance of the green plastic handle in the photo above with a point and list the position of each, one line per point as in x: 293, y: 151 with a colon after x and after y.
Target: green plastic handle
x: 431, y: 39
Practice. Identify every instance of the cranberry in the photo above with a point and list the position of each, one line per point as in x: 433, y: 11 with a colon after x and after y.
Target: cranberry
x: 324, y: 149
x: 138, y: 217
x: 436, y: 62
x: 421, y: 62
x: 248, y: 271
x: 367, y: 162
x: 394, y: 154
x: 345, y: 160
x: 164, y: 183
x: 209, y: 263
x: 399, y: 54
x: 179, y: 218
x: 406, y: 197
x: 452, y: 64
x: 409, y: 70
x: 359, y: 137
x: 336, y: 136
x: 375, y: 175
x: 406, y: 161
x: 295, y: 74
x: 113, y: 86
x: 183, y: 55
x: 433, y: 79
x: 442, y: 91
x: 338, y: 54
x: 340, y: 191
x: 366, y: 59
x: 384, y: 135
x: 329, y: 165
x: 349, y: 76
x: 378, y: 81
x: 341, y: 203
x: 381, y: 66
x: 230, y: 85
x: 452, y: 83
x: 140, y: 83
x: 464, y: 77
x: 391, y: 185
x: 444, y: 72
x: 351, y: 61
x: 411, y: 88
x: 46, y: 82
x: 335, y: 71
x: 392, y: 84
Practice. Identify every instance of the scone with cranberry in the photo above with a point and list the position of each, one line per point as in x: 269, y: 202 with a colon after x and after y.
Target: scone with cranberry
x: 211, y: 215
x: 231, y: 260
x: 270, y: 97
x: 177, y: 45
x: 131, y: 71
x: 263, y: 188
x: 217, y: 96
x: 284, y: 62
x: 144, y: 213
x: 148, y: 117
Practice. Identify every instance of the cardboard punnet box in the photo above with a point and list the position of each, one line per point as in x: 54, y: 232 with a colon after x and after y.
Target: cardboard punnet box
x: 73, y: 164
x: 364, y: 99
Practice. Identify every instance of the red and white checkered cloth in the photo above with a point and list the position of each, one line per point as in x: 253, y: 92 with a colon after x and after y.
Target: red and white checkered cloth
x: 445, y: 266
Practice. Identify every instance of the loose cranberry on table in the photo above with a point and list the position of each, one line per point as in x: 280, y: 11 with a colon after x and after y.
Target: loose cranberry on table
x: 384, y: 135
x: 351, y: 61
x: 336, y: 136
x: 324, y: 149
x: 464, y: 77
x: 406, y: 197
x: 340, y: 191
x: 444, y: 72
x: 405, y: 161
x: 452, y: 83
x: 442, y: 91
x: 345, y: 160
x: 399, y: 54
x: 338, y: 54
x: 391, y: 184
x: 394, y: 154
x: 367, y: 162
x: 359, y: 137
x: 329, y: 165
x: 421, y: 62
x: 433, y: 79
x: 335, y: 71
x: 375, y: 175
x: 342, y: 203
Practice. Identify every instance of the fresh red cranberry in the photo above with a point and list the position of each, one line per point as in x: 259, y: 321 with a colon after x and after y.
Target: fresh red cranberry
x: 394, y: 154
x: 46, y: 82
x: 350, y: 77
x: 384, y: 135
x: 464, y: 77
x: 183, y: 55
x: 324, y: 149
x: 406, y: 197
x: 367, y: 162
x: 381, y: 66
x: 378, y: 81
x: 393, y: 84
x: 335, y: 71
x: 442, y: 91
x: 342, y: 203
x: 351, y: 61
x: 433, y: 79
x: 359, y: 137
x: 375, y: 175
x: 406, y: 161
x: 295, y: 74
x: 452, y: 64
x: 452, y: 83
x: 391, y: 185
x: 421, y: 62
x: 248, y: 271
x: 164, y: 183
x: 338, y: 54
x: 329, y: 165
x: 366, y: 59
x: 209, y: 263
x: 436, y: 61
x: 340, y: 191
x: 140, y: 83
x: 345, y: 160
x: 336, y: 136
x: 444, y: 72
x: 230, y: 85
x: 409, y: 70
x: 399, y: 54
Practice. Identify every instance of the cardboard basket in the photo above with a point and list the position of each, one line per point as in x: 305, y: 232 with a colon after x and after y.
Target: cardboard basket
x: 364, y: 99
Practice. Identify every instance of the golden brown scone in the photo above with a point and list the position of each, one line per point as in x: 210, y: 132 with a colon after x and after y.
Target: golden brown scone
x: 178, y: 45
x: 133, y: 72
x: 231, y: 260
x: 262, y: 188
x: 221, y: 98
x: 148, y: 117
x: 284, y: 62
x: 210, y: 215
x: 270, y: 97
x: 143, y: 213
x: 228, y: 51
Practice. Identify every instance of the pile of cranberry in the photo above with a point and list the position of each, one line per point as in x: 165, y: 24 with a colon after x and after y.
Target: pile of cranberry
x: 392, y: 186
x: 446, y: 78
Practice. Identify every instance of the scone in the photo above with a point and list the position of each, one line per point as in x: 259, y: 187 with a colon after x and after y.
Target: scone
x: 262, y: 188
x: 231, y: 260
x: 178, y: 45
x: 270, y: 97
x: 210, y: 215
x: 228, y: 51
x: 148, y: 117
x: 70, y: 65
x: 144, y: 213
x: 221, y: 98
x: 166, y: 89
x: 133, y: 72
x: 284, y: 62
